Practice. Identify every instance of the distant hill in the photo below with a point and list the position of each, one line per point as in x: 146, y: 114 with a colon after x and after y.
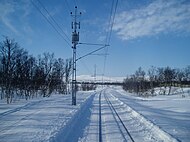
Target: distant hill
x: 88, y: 78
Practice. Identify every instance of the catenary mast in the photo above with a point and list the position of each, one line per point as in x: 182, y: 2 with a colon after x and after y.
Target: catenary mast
x: 75, y: 40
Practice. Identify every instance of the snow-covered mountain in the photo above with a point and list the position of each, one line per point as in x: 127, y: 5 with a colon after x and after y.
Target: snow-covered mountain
x: 89, y: 78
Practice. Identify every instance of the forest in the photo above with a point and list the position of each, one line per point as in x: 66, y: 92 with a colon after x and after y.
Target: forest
x: 25, y: 76
x: 144, y: 83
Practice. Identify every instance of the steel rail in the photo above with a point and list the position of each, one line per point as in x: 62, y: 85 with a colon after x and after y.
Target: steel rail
x: 119, y: 118
x: 100, y: 119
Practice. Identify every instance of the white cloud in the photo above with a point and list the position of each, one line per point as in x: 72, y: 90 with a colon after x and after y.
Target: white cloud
x: 5, y: 10
x: 160, y: 16
x: 11, y: 11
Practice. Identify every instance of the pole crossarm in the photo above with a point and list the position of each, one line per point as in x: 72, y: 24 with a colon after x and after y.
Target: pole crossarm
x: 95, y: 44
x: 90, y: 53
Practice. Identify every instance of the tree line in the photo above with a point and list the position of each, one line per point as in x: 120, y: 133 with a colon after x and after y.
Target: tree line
x: 26, y: 76
x: 144, y: 83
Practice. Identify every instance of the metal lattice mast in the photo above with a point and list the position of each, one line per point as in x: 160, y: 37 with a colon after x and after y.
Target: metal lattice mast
x: 75, y: 40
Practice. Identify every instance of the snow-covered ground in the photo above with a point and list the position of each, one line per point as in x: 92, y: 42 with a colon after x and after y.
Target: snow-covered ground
x: 140, y: 129
x: 38, y: 119
x: 171, y: 113
x: 158, y: 118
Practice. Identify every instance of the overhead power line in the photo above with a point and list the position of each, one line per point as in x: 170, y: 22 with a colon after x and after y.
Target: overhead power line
x: 96, y: 44
x: 50, y: 22
x: 108, y: 38
x: 56, y: 25
x: 112, y: 21
x: 53, y: 20
x: 109, y: 24
x: 91, y: 52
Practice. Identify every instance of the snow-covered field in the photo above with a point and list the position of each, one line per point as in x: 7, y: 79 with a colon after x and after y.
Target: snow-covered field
x: 158, y: 118
x: 38, y: 119
x: 171, y: 113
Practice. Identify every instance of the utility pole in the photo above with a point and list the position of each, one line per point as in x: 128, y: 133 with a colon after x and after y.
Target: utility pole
x: 95, y: 73
x: 75, y: 41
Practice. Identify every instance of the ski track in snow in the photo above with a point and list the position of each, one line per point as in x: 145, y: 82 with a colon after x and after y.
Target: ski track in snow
x: 38, y: 120
x: 104, y: 115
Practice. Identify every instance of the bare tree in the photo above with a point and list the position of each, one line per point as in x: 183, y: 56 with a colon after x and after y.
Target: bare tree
x: 140, y: 76
x: 9, y: 50
x: 58, y: 74
x: 169, y: 75
x: 152, y: 73
x: 47, y: 66
x: 187, y: 73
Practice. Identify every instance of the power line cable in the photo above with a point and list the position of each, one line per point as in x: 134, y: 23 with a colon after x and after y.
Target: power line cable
x: 113, y: 21
x: 110, y: 32
x: 55, y: 28
x: 50, y: 22
x: 91, y: 53
x: 110, y: 18
x: 61, y: 28
x: 53, y: 19
x: 107, y: 37
x: 95, y: 44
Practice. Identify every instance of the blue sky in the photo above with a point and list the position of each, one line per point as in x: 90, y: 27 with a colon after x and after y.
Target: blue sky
x: 145, y: 32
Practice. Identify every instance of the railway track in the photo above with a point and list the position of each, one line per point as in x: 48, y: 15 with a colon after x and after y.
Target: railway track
x: 100, y: 118
x: 118, y: 121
